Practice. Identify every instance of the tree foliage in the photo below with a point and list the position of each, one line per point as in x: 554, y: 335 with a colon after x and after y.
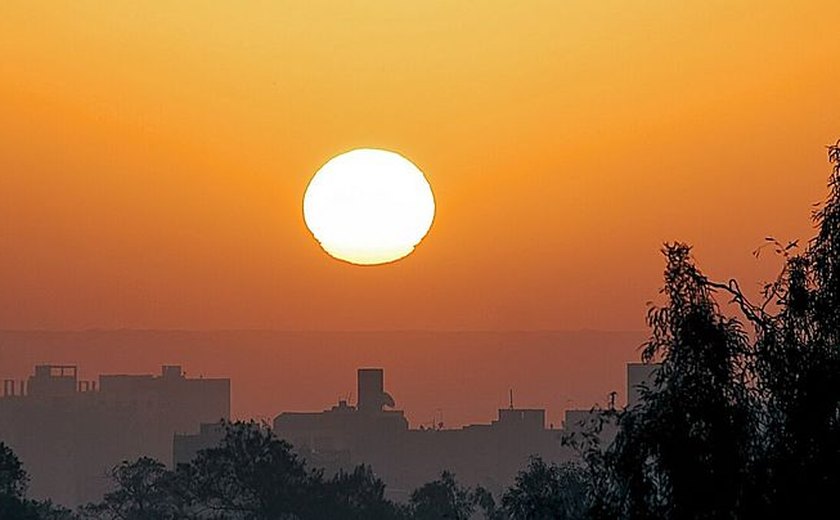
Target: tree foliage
x: 13, y: 478
x: 13, y: 485
x: 357, y: 495
x: 547, y: 492
x: 144, y: 490
x: 250, y: 475
x: 685, y: 452
x: 442, y: 498
x: 798, y: 369
x: 737, y: 424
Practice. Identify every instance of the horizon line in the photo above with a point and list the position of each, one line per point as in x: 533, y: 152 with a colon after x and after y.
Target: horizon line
x: 319, y: 331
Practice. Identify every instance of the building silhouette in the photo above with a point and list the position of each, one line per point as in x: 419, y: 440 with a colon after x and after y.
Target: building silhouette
x: 68, y: 433
x: 376, y: 434
x: 640, y: 376
x: 481, y: 454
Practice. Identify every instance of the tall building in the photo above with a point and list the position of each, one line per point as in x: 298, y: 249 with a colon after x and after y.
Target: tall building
x: 371, y: 391
x: 68, y: 433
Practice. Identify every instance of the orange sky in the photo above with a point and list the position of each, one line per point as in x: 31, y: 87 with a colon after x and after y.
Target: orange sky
x: 153, y: 155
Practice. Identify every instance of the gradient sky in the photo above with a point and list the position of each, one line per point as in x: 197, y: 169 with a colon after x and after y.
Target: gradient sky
x: 153, y: 155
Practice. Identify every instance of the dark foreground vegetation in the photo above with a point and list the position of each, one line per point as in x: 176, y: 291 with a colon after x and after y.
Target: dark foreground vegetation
x: 743, y: 421
x: 253, y: 475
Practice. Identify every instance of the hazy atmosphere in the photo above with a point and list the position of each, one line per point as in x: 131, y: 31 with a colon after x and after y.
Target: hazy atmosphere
x: 389, y: 260
x: 154, y: 161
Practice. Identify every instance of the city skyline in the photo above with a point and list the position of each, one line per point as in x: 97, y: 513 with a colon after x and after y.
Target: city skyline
x: 388, y: 260
x: 554, y: 370
x: 70, y: 432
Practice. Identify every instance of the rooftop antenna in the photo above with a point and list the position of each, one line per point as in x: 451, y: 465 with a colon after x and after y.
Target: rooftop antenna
x: 511, y: 398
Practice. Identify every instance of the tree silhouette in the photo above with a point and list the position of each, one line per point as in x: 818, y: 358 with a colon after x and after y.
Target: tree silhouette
x: 13, y: 502
x: 485, y: 502
x: 250, y: 475
x: 797, y: 364
x: 13, y: 483
x: 13, y: 478
x: 144, y: 490
x: 547, y: 492
x: 441, y: 499
x: 736, y: 426
x: 358, y: 495
x: 685, y: 451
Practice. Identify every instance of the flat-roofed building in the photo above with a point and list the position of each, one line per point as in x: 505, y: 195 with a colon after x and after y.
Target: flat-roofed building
x: 487, y: 454
x: 68, y: 432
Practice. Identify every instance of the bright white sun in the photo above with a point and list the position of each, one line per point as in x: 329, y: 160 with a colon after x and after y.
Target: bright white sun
x: 369, y: 206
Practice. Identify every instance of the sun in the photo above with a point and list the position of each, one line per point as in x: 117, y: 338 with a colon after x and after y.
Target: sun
x: 369, y: 206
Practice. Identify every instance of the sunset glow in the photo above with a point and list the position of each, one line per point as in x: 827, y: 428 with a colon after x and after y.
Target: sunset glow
x: 361, y: 248
x: 369, y: 206
x: 154, y: 158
